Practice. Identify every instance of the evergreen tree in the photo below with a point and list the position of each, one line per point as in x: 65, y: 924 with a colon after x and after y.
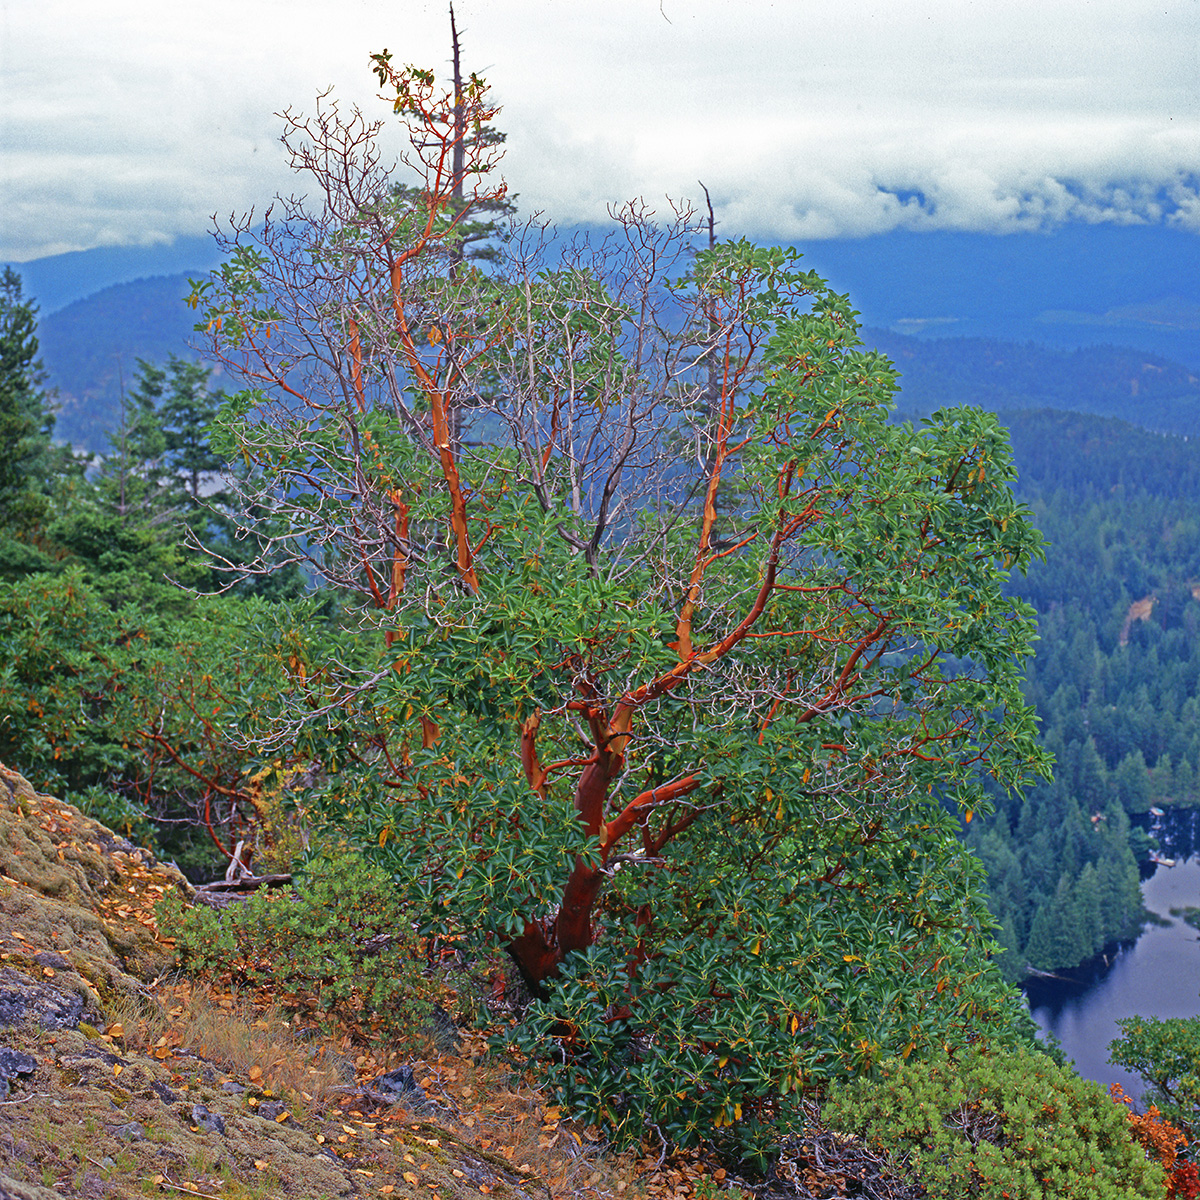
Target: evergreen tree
x: 187, y: 410
x: 31, y: 466
x: 134, y: 481
x: 1121, y: 909
x: 1132, y: 782
x: 1057, y: 938
x: 1087, y: 908
x: 25, y: 418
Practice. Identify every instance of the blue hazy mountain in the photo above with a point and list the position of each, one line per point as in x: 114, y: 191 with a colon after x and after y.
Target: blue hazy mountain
x: 92, y: 346
x: 1136, y: 287
x: 59, y: 279
x: 1082, y: 285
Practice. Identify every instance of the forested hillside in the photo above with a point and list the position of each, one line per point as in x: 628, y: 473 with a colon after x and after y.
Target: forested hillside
x: 1110, y: 381
x: 92, y: 346
x: 1114, y: 678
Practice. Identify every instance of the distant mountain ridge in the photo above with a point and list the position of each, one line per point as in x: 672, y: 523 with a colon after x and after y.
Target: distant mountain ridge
x: 1136, y: 285
x: 1092, y: 319
x: 60, y: 279
x: 1082, y: 285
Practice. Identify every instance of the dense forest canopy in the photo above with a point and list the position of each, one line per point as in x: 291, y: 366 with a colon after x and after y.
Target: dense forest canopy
x: 1114, y: 679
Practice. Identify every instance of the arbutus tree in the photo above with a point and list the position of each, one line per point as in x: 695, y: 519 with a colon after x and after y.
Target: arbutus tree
x: 687, y: 660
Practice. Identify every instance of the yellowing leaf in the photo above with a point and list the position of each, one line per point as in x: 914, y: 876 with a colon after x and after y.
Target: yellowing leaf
x: 409, y: 1177
x: 967, y: 816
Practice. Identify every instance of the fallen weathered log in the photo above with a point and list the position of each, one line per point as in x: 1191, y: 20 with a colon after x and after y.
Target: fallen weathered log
x: 223, y: 892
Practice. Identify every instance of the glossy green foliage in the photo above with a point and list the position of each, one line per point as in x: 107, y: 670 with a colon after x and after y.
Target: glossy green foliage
x: 998, y: 1125
x: 768, y: 980
x: 1166, y: 1054
x: 134, y: 714
x: 339, y: 941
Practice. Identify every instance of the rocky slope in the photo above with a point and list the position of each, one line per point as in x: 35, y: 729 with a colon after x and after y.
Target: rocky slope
x: 93, y: 1105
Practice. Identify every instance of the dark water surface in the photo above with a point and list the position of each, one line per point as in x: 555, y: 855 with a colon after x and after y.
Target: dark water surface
x: 1156, y: 976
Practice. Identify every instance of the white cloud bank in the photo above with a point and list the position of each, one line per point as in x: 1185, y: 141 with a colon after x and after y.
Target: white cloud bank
x: 125, y: 121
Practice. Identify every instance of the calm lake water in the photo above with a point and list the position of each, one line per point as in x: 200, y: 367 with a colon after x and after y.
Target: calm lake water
x: 1156, y: 976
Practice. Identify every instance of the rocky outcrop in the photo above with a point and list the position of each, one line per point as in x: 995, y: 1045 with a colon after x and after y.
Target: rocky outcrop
x: 76, y: 926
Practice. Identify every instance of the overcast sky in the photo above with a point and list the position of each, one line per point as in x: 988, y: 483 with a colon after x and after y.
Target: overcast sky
x: 129, y: 121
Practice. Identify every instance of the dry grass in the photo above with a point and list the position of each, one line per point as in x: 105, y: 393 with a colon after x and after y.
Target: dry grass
x: 251, y: 1042
x: 494, y: 1104
x: 505, y: 1112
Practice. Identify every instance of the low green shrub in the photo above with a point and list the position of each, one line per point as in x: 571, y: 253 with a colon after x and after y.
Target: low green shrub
x: 339, y: 941
x: 999, y: 1125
